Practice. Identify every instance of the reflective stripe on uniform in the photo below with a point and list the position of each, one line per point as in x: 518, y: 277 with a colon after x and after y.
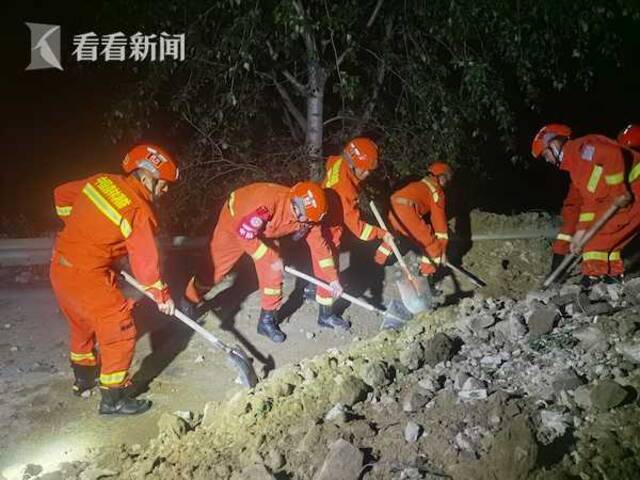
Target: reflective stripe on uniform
x: 77, y: 357
x: 324, y: 300
x: 231, y: 202
x: 366, y: 231
x: 442, y: 236
x: 587, y: 217
x: 385, y: 251
x: 404, y: 201
x: 615, y: 256
x: 434, y: 190
x: 114, y: 378
x: 596, y: 173
x: 564, y: 237
x: 601, y: 256
x: 326, y: 263
x: 432, y: 260
x: 260, y: 251
x: 615, y: 179
x: 333, y: 175
x: 63, y: 211
x: 635, y: 173
x: 273, y: 292
x: 107, y: 209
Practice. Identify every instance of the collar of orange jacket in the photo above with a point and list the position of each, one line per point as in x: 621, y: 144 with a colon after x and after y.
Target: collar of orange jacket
x: 138, y: 187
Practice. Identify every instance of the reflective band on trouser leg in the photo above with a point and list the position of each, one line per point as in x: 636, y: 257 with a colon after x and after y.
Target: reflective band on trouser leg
x: 271, y: 298
x: 587, y: 217
x: 564, y: 237
x: 326, y: 262
x: 595, y: 263
x: 322, y: 300
x: 88, y: 359
x: 442, y: 236
x: 635, y: 173
x: 616, y: 266
x: 366, y: 231
x: 63, y: 211
x: 598, y: 256
x: 260, y: 252
x: 113, y: 379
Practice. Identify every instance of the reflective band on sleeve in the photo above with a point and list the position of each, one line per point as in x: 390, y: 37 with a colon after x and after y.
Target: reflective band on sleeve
x: 434, y: 190
x: 273, y: 292
x: 587, y: 217
x: 324, y: 300
x: 114, y: 378
x: 159, y: 285
x: 63, y: 211
x: 592, y: 184
x: 564, y: 237
x: 366, y: 231
x: 231, y: 203
x: 615, y: 256
x: 326, y: 263
x: 442, y: 236
x: 333, y: 175
x: 107, y: 209
x: 404, y: 201
x: 635, y: 173
x: 616, y: 179
x: 385, y: 251
x: 77, y: 357
x: 432, y: 260
x: 601, y: 256
x: 260, y: 251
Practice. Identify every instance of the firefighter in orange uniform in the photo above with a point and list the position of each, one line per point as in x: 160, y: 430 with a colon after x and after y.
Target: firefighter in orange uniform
x: 251, y: 217
x: 604, y: 173
x: 408, y: 207
x: 106, y: 217
x: 344, y: 175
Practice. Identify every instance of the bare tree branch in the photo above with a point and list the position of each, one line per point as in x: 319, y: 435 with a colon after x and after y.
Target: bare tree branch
x: 294, y: 81
x: 374, y: 14
x: 288, y: 102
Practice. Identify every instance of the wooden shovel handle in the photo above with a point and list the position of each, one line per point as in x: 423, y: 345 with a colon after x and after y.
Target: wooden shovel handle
x: 392, y: 243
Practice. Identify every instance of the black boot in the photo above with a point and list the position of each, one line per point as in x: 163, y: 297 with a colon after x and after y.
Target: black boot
x: 328, y: 319
x: 587, y: 282
x: 85, y: 378
x: 268, y: 326
x: 115, y: 401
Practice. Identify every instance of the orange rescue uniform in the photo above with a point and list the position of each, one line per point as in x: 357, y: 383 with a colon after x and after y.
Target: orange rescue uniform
x: 106, y: 217
x: 342, y: 194
x: 408, y: 207
x: 227, y: 245
x: 569, y: 214
x: 601, y: 170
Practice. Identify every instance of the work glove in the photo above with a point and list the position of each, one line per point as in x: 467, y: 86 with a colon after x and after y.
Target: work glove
x: 251, y: 224
x: 336, y: 289
x: 163, y: 299
x: 387, y: 238
x: 575, y: 242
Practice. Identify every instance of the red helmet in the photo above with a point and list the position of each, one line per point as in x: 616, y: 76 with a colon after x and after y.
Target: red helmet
x: 546, y: 134
x: 440, y: 168
x: 152, y: 159
x: 630, y: 136
x: 310, y: 197
x: 363, y: 153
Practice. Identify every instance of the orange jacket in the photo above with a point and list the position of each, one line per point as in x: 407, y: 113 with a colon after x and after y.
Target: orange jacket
x: 276, y: 200
x: 597, y: 168
x: 107, y: 216
x: 342, y: 180
x: 426, y: 196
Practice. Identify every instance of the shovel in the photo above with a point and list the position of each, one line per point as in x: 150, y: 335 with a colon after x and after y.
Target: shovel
x: 396, y: 318
x: 415, y: 293
x: 589, y: 234
x: 475, y: 280
x: 236, y: 357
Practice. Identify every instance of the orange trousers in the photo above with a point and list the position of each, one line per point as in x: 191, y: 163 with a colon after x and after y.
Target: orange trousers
x: 405, y: 220
x: 226, y: 248
x: 602, y: 254
x: 99, y: 317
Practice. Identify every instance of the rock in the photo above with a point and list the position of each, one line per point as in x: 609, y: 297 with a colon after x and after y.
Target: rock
x: 48, y: 476
x: 428, y: 384
x: 600, y: 308
x: 412, y: 356
x: 582, y: 397
x: 412, y: 431
x: 514, y: 451
x: 199, y: 359
x: 14, y: 348
x: 31, y: 470
x: 93, y: 473
x: 7, y: 326
x: 438, y: 348
x: 566, y: 380
x: 349, y: 390
x: 541, y: 321
x: 591, y: 338
x: 254, y: 472
x: 494, y: 361
x: 274, y: 460
x: 337, y: 413
x: 626, y: 326
x: 463, y: 443
x: 343, y: 462
x: 210, y: 409
x: 459, y: 379
x: 310, y: 335
x: 632, y: 290
x: 480, y: 323
x: 630, y: 351
x: 414, y: 400
x: 473, y: 389
x: 552, y: 425
x: 607, y: 394
x: 375, y: 374
x: 172, y: 426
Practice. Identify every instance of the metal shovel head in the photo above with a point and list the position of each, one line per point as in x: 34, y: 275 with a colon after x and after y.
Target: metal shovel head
x: 395, y: 317
x: 239, y: 361
x: 415, y: 295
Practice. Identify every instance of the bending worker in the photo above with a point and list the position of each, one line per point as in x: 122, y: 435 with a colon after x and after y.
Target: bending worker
x: 409, y: 205
x: 106, y: 217
x: 251, y: 218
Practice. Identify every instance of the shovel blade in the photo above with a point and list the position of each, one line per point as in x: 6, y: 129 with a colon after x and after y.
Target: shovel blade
x: 239, y: 361
x: 416, y: 296
x: 395, y: 317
